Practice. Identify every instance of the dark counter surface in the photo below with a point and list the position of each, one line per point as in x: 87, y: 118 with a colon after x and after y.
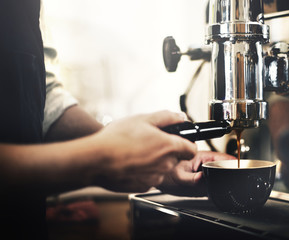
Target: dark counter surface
x: 270, y: 222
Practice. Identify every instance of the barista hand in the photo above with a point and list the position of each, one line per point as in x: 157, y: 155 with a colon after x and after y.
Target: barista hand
x: 186, y: 179
x: 139, y: 154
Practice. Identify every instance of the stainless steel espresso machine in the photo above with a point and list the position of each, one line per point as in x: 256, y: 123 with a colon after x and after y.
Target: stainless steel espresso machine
x: 237, y: 34
x: 244, y: 67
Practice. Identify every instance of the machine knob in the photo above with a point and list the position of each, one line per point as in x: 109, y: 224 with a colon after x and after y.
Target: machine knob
x: 171, y: 54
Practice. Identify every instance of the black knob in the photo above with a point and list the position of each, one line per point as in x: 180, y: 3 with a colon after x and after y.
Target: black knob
x: 171, y: 54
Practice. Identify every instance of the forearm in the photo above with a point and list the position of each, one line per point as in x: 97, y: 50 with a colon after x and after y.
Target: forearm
x: 52, y: 167
x: 128, y: 155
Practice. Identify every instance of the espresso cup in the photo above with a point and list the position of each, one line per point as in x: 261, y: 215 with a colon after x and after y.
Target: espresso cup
x: 239, y: 190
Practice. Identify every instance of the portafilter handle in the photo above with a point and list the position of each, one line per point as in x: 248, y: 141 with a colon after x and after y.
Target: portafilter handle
x: 199, y: 131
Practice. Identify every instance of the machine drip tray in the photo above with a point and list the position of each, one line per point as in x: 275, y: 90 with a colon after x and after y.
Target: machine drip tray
x: 162, y: 216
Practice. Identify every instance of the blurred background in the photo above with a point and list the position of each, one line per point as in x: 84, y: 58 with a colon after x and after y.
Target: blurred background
x: 110, y: 51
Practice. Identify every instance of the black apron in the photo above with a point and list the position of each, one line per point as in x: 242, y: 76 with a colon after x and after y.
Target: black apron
x: 22, y: 99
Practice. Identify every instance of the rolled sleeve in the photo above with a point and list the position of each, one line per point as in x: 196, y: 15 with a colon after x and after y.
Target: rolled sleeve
x: 57, y: 101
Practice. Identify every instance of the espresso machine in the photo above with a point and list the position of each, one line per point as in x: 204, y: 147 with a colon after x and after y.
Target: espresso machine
x: 245, y: 68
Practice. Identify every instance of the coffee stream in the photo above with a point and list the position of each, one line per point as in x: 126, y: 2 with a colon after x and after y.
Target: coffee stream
x: 239, y: 133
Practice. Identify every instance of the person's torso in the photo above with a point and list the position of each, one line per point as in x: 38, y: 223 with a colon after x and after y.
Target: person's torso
x: 22, y: 72
x: 22, y: 99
